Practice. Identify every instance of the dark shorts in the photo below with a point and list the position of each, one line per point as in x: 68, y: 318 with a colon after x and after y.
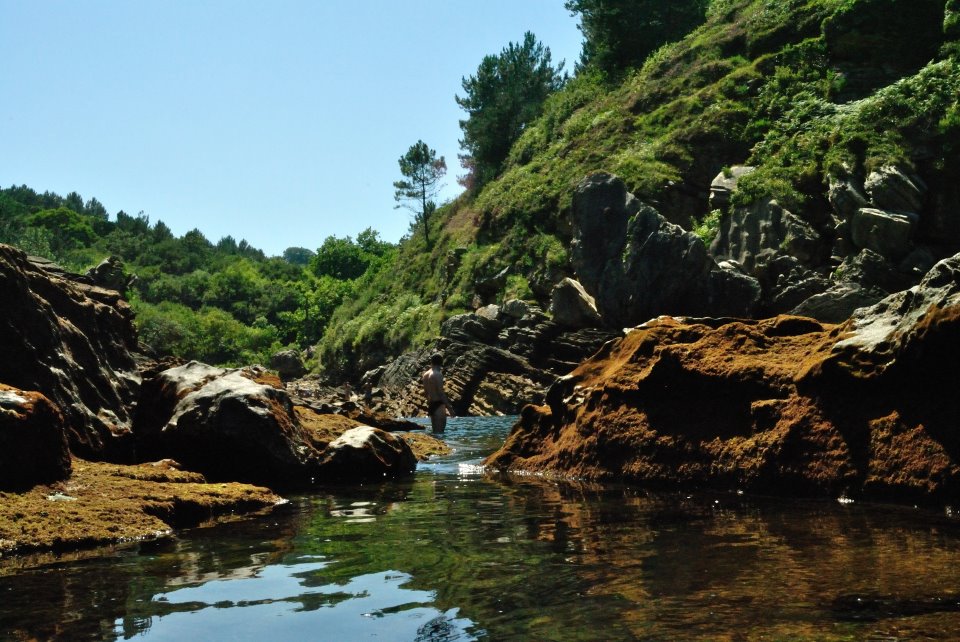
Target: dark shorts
x: 432, y: 406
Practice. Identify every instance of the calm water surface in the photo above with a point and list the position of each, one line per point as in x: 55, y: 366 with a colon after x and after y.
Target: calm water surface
x: 456, y: 555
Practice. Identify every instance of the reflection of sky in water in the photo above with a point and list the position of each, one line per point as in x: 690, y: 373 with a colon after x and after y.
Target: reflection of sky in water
x: 375, y: 605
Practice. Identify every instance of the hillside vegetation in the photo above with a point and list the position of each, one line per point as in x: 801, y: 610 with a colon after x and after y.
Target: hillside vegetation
x: 223, y: 303
x: 804, y: 90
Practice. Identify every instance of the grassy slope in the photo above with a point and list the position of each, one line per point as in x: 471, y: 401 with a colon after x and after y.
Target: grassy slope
x: 800, y: 88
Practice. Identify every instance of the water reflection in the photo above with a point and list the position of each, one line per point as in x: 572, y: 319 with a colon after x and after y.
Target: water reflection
x: 454, y: 555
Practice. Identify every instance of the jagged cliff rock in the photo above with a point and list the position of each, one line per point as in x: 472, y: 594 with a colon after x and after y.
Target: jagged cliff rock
x: 637, y: 265
x: 495, y: 361
x: 785, y: 405
x: 73, y: 342
x: 72, y: 382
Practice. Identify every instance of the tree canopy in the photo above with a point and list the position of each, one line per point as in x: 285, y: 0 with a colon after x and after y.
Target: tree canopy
x: 620, y: 34
x: 422, y: 172
x: 504, y: 96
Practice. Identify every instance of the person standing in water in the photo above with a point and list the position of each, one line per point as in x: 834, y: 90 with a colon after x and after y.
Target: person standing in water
x: 437, y: 402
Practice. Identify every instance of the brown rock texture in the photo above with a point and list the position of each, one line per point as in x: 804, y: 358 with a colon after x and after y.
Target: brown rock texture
x: 73, y: 342
x: 33, y: 441
x: 105, y: 503
x: 784, y: 406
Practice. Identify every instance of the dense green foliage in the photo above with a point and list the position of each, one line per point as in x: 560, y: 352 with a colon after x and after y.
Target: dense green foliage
x: 801, y: 89
x: 804, y: 90
x: 422, y: 172
x: 501, y: 99
x: 223, y: 303
x: 620, y: 34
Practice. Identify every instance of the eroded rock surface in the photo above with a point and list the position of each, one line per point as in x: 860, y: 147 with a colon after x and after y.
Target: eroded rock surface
x: 785, y: 405
x: 74, y: 343
x: 493, y: 364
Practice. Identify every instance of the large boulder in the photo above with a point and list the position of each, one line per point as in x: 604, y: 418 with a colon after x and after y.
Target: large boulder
x: 73, y: 342
x: 225, y: 425
x: 723, y: 186
x: 109, y: 274
x: 33, y: 440
x: 846, y: 197
x: 572, y: 307
x: 365, y: 453
x: 785, y: 405
x: 885, y: 232
x: 288, y: 364
x: 889, y: 188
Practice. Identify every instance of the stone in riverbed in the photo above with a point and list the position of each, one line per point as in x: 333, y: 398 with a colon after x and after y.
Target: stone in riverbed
x: 365, y: 453
x: 221, y: 423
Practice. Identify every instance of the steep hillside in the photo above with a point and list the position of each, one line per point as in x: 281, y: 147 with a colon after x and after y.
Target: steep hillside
x: 836, y: 107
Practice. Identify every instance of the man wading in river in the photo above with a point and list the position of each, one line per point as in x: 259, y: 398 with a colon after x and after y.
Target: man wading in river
x: 437, y: 402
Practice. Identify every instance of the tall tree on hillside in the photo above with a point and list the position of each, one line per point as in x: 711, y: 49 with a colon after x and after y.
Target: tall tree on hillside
x: 422, y: 172
x: 504, y: 96
x: 620, y: 34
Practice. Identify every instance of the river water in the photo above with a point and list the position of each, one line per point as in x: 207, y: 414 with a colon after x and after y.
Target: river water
x: 454, y: 554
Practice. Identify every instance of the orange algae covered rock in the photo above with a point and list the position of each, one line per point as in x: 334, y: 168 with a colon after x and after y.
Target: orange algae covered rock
x: 785, y: 405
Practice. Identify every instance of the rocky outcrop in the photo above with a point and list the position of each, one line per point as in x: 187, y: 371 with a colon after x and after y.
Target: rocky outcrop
x: 74, y: 343
x: 494, y: 363
x: 571, y: 306
x: 288, y: 364
x: 366, y: 453
x: 753, y: 236
x: 637, y: 265
x: 785, y: 405
x: 224, y: 425
x: 33, y: 440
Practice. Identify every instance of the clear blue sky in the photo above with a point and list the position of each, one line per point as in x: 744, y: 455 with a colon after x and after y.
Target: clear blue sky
x: 276, y: 121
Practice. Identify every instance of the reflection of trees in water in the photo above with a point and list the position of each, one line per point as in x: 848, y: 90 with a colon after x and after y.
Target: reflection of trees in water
x: 105, y: 595
x: 531, y: 558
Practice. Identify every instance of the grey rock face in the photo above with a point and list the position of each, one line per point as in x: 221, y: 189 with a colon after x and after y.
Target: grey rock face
x: 288, y: 365
x: 889, y: 188
x: 836, y: 304
x: 754, y: 235
x: 886, y: 233
x: 637, y: 265
x: 572, y: 307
